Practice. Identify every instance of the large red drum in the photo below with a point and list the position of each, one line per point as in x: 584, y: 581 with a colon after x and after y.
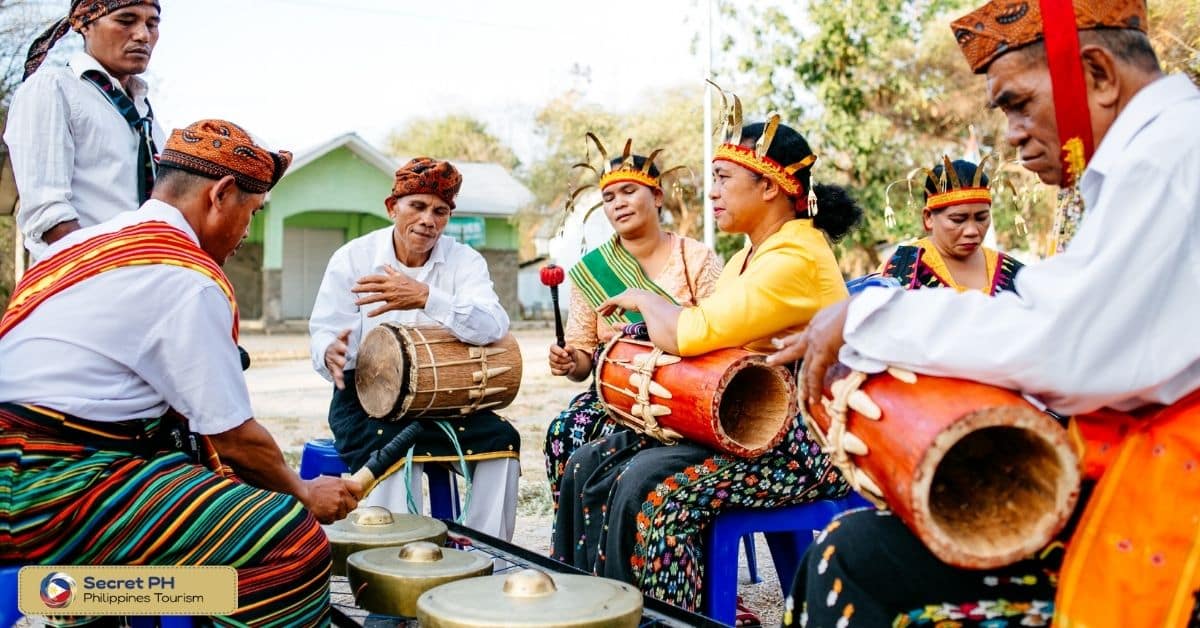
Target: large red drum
x: 728, y: 399
x: 980, y: 475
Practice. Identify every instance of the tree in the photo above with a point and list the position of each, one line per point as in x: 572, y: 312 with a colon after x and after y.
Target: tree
x: 455, y: 136
x: 880, y: 88
x: 669, y: 118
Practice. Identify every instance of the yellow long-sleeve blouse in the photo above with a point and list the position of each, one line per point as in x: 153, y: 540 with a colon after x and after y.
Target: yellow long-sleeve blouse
x: 791, y: 276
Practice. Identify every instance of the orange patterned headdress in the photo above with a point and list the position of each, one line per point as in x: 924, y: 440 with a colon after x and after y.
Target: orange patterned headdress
x: 83, y: 12
x: 216, y: 148
x: 1004, y: 25
x: 424, y: 175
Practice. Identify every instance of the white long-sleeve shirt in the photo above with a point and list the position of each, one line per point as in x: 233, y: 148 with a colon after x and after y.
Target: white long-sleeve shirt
x: 461, y: 296
x: 1114, y: 321
x: 130, y: 342
x: 74, y: 156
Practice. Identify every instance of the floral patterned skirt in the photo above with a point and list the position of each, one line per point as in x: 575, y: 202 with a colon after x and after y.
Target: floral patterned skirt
x: 640, y: 508
x: 584, y: 421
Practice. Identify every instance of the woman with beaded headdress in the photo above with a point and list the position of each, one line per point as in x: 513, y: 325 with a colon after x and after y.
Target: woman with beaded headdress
x: 957, y: 212
x: 640, y: 508
x: 642, y: 254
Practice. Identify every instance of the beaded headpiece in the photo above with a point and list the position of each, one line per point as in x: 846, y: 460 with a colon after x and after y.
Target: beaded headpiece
x: 756, y: 159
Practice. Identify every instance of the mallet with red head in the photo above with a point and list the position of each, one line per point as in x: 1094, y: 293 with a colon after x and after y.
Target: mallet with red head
x: 552, y: 276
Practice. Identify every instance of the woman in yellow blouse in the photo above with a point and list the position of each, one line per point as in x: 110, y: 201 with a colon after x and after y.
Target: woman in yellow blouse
x: 639, y: 507
x: 641, y: 254
x: 957, y: 213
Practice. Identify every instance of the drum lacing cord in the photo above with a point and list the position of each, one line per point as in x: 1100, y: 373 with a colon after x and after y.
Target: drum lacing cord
x: 838, y: 439
x: 448, y: 430
x: 645, y: 368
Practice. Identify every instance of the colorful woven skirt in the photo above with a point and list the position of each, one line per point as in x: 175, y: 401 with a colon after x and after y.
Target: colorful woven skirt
x: 76, y: 492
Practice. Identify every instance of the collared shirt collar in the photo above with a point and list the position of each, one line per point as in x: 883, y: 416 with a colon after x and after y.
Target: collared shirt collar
x: 1152, y: 100
x: 155, y: 209
x: 385, y: 250
x: 82, y: 62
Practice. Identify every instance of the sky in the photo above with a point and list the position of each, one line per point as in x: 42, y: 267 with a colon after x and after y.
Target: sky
x: 300, y: 72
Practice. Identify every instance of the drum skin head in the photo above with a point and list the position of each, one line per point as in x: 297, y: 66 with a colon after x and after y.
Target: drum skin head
x: 380, y: 374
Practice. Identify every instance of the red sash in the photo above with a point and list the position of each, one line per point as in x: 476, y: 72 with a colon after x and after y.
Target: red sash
x: 143, y: 244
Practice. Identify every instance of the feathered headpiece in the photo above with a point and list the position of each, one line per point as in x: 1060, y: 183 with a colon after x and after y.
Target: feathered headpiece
x: 950, y: 189
x: 756, y: 158
x: 624, y: 170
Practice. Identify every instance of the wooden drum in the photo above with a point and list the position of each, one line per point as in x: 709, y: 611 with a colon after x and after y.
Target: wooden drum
x: 411, y: 371
x: 728, y: 399
x: 981, y: 476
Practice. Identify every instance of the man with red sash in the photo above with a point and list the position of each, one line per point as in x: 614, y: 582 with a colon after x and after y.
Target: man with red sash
x: 126, y: 435
x: 1104, y: 331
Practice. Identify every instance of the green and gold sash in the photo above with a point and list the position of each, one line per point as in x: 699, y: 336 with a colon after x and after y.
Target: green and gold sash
x: 608, y: 271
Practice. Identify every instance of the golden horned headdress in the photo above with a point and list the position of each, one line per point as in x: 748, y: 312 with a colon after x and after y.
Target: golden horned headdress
x: 951, y: 190
x: 625, y: 170
x: 756, y: 158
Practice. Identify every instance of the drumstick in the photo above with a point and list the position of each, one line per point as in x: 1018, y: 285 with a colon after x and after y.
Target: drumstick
x: 386, y: 456
x: 552, y: 275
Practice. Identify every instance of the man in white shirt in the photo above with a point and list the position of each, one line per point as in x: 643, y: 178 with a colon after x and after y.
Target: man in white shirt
x: 1110, y: 323
x: 410, y: 273
x: 82, y: 138
x: 123, y: 327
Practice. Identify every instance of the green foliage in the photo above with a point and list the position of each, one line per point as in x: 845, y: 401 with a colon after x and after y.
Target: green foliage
x: 670, y: 119
x: 454, y: 136
x: 879, y: 87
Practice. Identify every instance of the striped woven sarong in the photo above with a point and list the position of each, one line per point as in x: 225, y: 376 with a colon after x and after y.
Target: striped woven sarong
x: 76, y: 492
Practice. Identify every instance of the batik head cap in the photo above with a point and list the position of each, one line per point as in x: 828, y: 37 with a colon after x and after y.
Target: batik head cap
x: 1001, y: 26
x: 424, y: 175
x: 756, y: 158
x: 217, y: 148
x: 83, y: 12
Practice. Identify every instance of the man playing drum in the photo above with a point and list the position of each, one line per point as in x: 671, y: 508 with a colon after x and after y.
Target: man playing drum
x: 410, y: 273
x: 1104, y: 331
x: 123, y: 327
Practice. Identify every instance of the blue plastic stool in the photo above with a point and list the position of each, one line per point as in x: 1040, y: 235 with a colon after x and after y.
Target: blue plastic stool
x: 321, y: 458
x: 9, y: 613
x: 789, y: 531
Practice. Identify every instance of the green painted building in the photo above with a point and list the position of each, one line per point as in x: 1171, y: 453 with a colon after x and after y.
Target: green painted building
x: 334, y: 193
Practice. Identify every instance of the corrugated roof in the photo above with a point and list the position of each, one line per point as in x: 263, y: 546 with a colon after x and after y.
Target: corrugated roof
x: 488, y: 189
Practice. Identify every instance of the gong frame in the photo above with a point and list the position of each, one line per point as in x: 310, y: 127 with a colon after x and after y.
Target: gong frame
x: 344, y: 614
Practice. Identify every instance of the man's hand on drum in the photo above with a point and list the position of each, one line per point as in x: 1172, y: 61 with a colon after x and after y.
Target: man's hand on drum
x: 393, y: 289
x: 335, y: 358
x: 628, y: 301
x: 817, y: 346
x: 330, y: 499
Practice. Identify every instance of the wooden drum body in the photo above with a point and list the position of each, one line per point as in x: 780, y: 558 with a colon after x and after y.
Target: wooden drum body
x: 728, y: 399
x: 979, y: 474
x: 411, y: 371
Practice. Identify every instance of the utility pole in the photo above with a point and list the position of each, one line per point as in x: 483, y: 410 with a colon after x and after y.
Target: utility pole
x: 705, y: 175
